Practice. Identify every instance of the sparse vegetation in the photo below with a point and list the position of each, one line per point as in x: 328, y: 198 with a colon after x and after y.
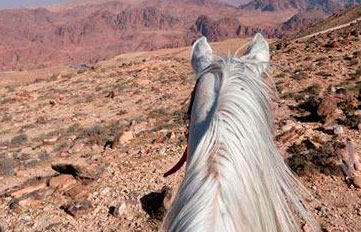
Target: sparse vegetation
x: 73, y: 128
x: 6, y: 166
x: 158, y: 112
x: 19, y: 139
x: 10, y: 88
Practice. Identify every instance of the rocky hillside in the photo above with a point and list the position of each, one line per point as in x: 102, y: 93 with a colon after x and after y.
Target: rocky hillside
x: 85, y: 150
x: 335, y: 20
x: 313, y: 19
x: 329, y: 6
x: 303, y: 20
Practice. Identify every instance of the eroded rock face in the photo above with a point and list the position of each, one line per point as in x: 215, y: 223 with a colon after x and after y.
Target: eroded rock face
x: 220, y: 29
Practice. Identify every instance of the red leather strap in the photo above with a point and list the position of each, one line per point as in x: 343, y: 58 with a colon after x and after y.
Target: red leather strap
x: 183, y: 159
x: 179, y: 164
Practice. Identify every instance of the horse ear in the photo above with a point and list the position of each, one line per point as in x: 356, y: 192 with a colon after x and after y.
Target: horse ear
x: 201, y: 55
x: 258, y: 50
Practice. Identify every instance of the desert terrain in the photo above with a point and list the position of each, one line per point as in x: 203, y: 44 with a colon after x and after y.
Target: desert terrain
x: 81, y: 149
x: 84, y: 147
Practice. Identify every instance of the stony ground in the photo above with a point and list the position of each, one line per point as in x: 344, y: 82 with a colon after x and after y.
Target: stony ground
x: 80, y: 151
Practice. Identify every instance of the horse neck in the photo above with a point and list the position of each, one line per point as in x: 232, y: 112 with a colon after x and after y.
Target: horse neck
x: 202, y: 109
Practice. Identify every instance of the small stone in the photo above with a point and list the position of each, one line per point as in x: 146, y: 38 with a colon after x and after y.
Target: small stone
x: 118, y: 209
x: 106, y: 191
x: 76, y: 208
x: 77, y: 169
x: 126, y: 137
x: 29, y: 202
x: 357, y: 113
x: 51, y: 140
x: 77, y: 192
x: 356, y: 180
x: 338, y: 130
x: 153, y: 203
x: 327, y: 108
x: 306, y: 228
x: 288, y: 126
x: 62, y: 182
x: 291, y: 134
x: 76, y: 148
x: 26, y: 217
x: 26, y: 150
x: 67, y: 168
x: 27, y: 190
x: 30, y: 162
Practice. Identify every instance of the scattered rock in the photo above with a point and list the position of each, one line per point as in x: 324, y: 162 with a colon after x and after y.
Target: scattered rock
x: 81, y: 170
x: 110, y: 94
x: 29, y: 197
x: 76, y: 209
x: 338, y: 130
x: 153, y: 203
x: 356, y: 181
x: 117, y: 209
x: 290, y: 134
x: 62, y: 182
x: 327, y: 109
x: 350, y: 163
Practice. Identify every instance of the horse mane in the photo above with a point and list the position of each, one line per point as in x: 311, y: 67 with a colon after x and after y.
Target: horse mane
x: 236, y: 180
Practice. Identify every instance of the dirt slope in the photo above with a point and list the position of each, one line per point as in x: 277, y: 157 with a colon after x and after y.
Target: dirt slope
x: 332, y: 21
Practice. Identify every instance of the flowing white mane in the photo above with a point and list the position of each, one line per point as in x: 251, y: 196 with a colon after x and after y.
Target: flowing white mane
x: 236, y: 179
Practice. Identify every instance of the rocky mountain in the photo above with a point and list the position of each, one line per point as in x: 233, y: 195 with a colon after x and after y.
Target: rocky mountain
x: 303, y: 19
x: 342, y: 18
x: 89, y: 33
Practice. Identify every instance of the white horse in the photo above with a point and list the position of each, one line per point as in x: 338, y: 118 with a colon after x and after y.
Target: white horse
x: 236, y: 179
